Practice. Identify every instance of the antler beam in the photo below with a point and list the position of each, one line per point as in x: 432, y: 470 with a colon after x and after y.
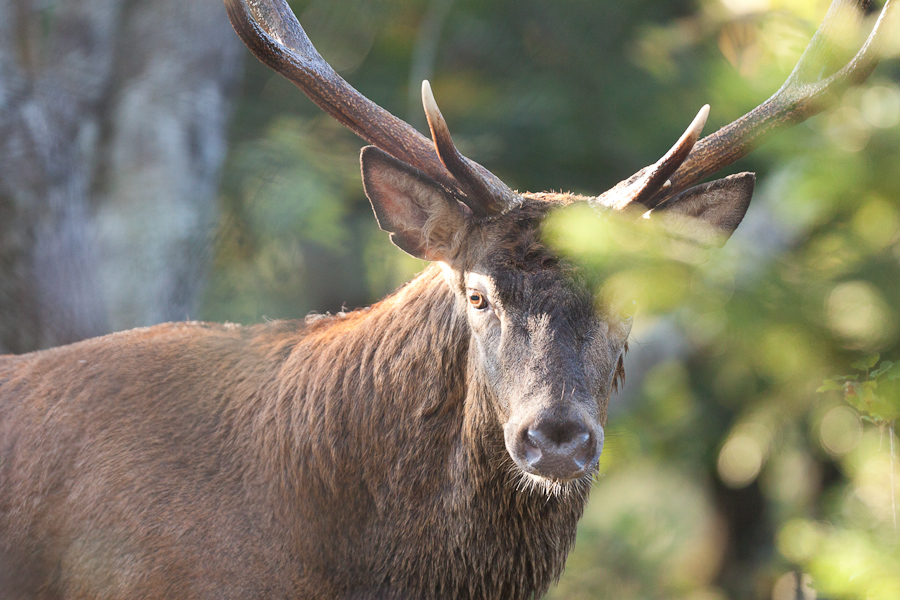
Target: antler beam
x: 271, y: 31
x: 802, y: 96
x: 805, y: 93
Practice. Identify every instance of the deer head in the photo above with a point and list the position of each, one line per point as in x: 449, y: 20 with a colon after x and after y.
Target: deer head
x: 544, y: 359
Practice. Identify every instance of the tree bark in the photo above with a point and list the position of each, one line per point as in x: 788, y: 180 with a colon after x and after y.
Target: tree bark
x: 113, y: 118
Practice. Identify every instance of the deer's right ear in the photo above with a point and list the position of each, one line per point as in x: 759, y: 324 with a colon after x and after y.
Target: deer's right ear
x: 717, y: 207
x: 423, y: 220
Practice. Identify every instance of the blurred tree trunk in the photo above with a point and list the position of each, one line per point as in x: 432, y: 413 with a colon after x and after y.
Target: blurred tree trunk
x: 113, y: 118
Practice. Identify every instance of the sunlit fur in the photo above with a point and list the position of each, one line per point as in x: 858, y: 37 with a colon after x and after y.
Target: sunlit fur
x: 352, y: 456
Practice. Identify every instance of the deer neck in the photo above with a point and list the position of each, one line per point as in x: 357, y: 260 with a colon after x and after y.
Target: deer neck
x: 404, y: 427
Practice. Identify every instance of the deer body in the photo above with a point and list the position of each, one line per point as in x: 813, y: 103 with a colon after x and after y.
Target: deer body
x: 346, y: 458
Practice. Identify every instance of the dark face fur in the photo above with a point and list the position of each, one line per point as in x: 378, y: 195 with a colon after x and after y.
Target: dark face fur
x: 538, y: 347
x: 546, y: 357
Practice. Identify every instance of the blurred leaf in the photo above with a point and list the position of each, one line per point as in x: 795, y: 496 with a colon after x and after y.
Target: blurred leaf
x: 884, y: 367
x: 830, y: 385
x: 864, y: 398
x: 866, y: 363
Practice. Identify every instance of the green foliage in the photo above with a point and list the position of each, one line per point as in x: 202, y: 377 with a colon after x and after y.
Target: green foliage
x: 877, y: 396
x: 856, y: 552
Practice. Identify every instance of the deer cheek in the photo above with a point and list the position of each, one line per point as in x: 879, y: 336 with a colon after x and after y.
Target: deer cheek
x: 486, y: 342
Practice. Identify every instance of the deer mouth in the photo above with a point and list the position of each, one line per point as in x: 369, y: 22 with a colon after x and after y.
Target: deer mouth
x: 549, y: 486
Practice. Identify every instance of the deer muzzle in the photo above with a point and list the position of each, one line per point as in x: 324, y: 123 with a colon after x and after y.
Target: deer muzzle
x: 559, y: 448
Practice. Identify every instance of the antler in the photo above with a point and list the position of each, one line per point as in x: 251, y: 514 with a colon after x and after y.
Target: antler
x: 639, y: 187
x: 806, y: 92
x: 271, y: 31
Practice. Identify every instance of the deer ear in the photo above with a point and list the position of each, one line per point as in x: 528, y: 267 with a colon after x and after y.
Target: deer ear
x: 719, y: 205
x: 423, y: 220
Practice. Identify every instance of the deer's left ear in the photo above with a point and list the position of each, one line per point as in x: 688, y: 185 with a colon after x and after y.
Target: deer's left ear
x: 719, y: 206
x: 423, y: 220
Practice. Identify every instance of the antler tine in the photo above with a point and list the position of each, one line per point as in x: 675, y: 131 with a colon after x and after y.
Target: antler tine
x: 483, y: 196
x: 271, y: 31
x: 805, y: 93
x: 649, y: 180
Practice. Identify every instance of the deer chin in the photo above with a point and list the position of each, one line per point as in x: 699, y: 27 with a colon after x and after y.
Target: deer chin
x: 550, y: 487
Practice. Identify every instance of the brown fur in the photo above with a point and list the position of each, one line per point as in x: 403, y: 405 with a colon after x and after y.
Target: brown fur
x: 355, y: 456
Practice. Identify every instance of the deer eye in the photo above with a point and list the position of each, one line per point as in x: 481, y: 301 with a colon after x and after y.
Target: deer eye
x: 477, y: 300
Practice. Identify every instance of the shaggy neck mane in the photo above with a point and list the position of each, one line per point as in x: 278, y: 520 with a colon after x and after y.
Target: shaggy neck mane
x: 383, y: 408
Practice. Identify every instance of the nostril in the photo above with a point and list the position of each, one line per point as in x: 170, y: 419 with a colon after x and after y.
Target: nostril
x: 532, y: 443
x: 583, y: 451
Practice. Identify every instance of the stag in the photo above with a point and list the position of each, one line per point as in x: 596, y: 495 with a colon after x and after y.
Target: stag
x: 438, y: 444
